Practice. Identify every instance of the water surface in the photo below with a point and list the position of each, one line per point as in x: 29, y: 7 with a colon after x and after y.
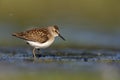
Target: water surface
x: 57, y: 64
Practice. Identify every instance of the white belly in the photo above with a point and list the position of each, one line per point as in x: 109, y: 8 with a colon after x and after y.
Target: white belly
x: 40, y: 45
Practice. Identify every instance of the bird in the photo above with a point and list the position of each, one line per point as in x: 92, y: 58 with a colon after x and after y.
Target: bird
x: 39, y: 38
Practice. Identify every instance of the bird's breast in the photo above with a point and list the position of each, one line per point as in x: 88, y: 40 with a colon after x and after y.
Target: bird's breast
x: 41, y: 45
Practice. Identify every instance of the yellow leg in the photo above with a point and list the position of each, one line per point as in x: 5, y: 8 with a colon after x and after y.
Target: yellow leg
x: 34, y: 53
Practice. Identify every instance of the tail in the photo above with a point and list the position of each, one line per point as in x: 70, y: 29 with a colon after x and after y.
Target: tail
x: 19, y: 35
x: 16, y: 34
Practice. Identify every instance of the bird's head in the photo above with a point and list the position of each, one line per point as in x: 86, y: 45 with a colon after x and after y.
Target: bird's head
x: 55, y: 31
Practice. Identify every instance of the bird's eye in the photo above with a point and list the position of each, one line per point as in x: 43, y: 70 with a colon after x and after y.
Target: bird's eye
x: 56, y: 31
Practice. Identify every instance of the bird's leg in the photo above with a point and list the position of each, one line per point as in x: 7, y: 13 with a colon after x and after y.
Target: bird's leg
x: 40, y: 55
x: 34, y: 53
x: 38, y: 49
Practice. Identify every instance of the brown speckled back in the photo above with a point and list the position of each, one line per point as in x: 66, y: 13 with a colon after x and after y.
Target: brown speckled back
x: 37, y: 35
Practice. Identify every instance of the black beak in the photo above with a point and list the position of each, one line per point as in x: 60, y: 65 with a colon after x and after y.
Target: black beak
x: 61, y: 37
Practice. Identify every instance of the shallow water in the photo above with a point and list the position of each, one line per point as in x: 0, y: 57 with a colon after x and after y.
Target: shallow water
x: 56, y: 64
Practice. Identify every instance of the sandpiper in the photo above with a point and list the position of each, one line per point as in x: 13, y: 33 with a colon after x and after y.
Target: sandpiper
x: 39, y: 37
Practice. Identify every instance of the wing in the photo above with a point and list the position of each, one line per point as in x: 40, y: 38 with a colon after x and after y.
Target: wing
x: 37, y: 34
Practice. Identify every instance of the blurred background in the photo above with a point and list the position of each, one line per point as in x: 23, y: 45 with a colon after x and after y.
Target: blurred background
x: 84, y: 23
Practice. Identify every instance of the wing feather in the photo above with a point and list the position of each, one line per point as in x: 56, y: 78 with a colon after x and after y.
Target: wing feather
x: 37, y: 34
